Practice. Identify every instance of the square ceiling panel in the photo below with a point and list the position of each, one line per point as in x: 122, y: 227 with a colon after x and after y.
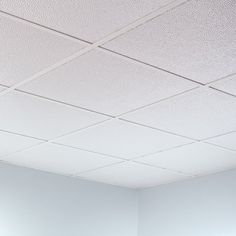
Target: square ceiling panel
x: 194, y: 159
x: 40, y: 118
x: 122, y: 139
x: 25, y: 50
x: 90, y: 20
x: 59, y: 159
x: 227, y: 85
x: 133, y: 175
x: 106, y: 83
x: 10, y: 143
x: 227, y: 140
x: 196, y: 40
x: 201, y: 113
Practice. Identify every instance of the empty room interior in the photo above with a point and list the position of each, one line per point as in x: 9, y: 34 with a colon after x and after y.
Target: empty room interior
x: 117, y: 117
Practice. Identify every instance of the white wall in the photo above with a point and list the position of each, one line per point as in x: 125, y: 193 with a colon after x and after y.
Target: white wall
x: 33, y: 203
x: 201, y: 207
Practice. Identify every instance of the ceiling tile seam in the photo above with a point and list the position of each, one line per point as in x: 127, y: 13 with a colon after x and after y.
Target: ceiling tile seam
x: 42, y: 27
x: 21, y: 150
x: 63, y: 103
x: 221, y: 78
x: 164, y: 150
x: 165, y: 169
x: 67, y: 36
x: 100, y: 42
x: 91, y: 151
x: 64, y: 145
x: 22, y: 135
x: 219, y: 135
x: 221, y: 147
x: 156, y: 102
x: 161, y: 130
x: 145, y: 64
x: 60, y: 33
x: 98, y: 123
x: 140, y: 163
x: 222, y: 91
x: 71, y: 37
x: 101, y: 113
x: 98, y: 168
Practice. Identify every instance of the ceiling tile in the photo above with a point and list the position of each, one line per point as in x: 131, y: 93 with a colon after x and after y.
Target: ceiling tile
x: 10, y: 143
x: 59, y: 159
x: 227, y: 140
x: 199, y: 114
x: 195, y: 159
x: 196, y: 40
x: 90, y: 19
x: 106, y: 83
x: 36, y: 117
x: 122, y: 139
x: 133, y: 175
x: 25, y: 50
x: 227, y: 85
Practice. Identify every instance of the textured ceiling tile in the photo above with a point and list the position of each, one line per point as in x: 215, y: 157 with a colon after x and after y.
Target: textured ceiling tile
x: 59, y: 159
x: 196, y: 40
x: 194, y: 159
x: 28, y: 115
x: 10, y: 143
x: 227, y: 85
x: 106, y: 83
x: 133, y: 175
x: 199, y: 114
x: 25, y: 50
x: 86, y: 19
x: 122, y: 139
x: 227, y: 140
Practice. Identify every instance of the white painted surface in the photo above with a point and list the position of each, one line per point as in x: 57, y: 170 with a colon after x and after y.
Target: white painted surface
x: 201, y: 207
x: 37, y: 203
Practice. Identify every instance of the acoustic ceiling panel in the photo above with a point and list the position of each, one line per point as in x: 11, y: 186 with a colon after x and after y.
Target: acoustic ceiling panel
x: 10, y: 143
x: 194, y: 159
x: 227, y: 85
x: 122, y: 139
x: 107, y: 83
x: 25, y: 50
x: 36, y: 117
x: 199, y: 114
x: 227, y: 140
x: 196, y: 40
x: 86, y: 19
x: 133, y: 175
x: 59, y: 159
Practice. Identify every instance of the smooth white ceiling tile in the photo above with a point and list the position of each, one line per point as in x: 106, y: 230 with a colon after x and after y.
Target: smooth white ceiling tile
x: 86, y: 19
x: 133, y: 175
x: 106, y: 83
x: 36, y: 117
x: 227, y: 85
x: 227, y: 141
x: 122, y: 139
x: 195, y: 159
x: 199, y: 114
x: 10, y: 143
x: 59, y: 159
x: 196, y: 40
x: 25, y: 50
